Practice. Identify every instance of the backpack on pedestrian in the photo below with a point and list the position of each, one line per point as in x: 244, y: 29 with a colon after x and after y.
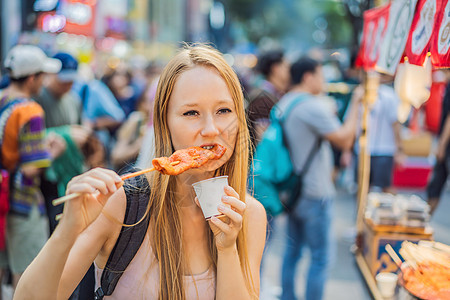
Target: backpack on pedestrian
x: 276, y: 184
x: 5, y: 175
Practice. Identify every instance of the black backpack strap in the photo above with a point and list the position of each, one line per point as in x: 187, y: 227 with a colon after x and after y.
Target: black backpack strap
x: 137, y: 191
x: 295, y: 193
x: 309, y: 159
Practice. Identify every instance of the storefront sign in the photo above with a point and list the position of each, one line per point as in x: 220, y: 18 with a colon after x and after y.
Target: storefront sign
x: 440, y: 42
x: 80, y: 16
x: 419, y: 38
x: 401, y: 14
x: 374, y: 29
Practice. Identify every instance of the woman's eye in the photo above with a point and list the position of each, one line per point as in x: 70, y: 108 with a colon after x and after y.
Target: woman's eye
x: 190, y: 113
x: 224, y: 110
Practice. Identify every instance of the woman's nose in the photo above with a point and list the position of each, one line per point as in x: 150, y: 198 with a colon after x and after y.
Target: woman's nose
x: 209, y: 127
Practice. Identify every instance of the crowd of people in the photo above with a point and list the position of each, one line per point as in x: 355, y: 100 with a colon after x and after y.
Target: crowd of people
x: 62, y: 134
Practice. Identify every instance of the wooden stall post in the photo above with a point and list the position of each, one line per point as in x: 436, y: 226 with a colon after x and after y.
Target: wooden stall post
x: 371, y: 84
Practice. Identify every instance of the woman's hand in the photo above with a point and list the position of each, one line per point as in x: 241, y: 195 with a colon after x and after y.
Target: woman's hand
x: 226, y: 229
x: 95, y: 187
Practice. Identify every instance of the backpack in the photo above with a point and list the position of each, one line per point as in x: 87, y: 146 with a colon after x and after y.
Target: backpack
x: 275, y: 183
x: 137, y: 191
x: 5, y: 175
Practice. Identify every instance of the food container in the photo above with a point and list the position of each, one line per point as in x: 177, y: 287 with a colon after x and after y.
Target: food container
x: 404, y: 294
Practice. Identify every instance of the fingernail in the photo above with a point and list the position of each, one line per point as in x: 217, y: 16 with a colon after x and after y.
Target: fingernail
x: 225, y: 198
x: 221, y: 207
x: 117, y: 178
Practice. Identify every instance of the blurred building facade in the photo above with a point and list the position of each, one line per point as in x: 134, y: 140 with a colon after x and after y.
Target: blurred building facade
x: 150, y: 27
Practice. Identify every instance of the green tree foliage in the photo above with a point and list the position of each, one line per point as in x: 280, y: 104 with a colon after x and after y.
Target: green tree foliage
x: 243, y: 9
x: 295, y: 21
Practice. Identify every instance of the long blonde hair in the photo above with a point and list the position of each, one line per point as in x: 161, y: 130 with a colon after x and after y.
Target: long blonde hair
x: 165, y: 221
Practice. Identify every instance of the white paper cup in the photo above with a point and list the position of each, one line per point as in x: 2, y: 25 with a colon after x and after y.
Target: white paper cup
x: 387, y: 282
x: 209, y: 193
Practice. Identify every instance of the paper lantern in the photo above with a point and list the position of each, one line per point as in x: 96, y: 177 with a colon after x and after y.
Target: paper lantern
x: 412, y: 83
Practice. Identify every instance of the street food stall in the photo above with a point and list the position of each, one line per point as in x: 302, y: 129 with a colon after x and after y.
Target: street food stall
x: 415, y: 33
x: 425, y: 273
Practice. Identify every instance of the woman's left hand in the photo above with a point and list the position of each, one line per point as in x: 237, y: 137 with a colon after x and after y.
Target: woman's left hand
x: 226, y: 229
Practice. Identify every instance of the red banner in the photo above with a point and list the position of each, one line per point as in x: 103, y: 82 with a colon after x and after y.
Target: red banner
x: 80, y: 16
x: 374, y: 29
x: 421, y: 31
x: 440, y: 41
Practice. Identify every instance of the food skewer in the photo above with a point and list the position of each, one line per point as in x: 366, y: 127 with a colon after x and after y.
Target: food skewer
x: 445, y: 249
x: 177, y: 163
x: 124, y: 177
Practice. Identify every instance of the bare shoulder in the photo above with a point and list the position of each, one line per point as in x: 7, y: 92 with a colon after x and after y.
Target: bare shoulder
x: 255, y: 209
x: 256, y: 214
x: 256, y: 234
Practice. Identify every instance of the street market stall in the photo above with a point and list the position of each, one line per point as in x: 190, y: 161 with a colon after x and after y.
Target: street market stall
x: 425, y: 273
x: 416, y: 33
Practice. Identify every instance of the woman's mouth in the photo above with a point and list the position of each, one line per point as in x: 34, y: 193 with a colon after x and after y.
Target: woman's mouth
x: 209, y: 147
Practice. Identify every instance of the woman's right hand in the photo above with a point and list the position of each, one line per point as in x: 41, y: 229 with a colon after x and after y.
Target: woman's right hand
x: 95, y: 187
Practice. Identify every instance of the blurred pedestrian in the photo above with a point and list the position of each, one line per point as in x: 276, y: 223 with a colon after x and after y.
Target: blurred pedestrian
x: 62, y: 107
x: 129, y: 142
x: 341, y: 91
x: 275, y: 70
x: 146, y: 103
x: 309, y: 223
x: 25, y: 153
x: 100, y: 111
x: 4, y: 82
x: 120, y: 82
x: 442, y: 166
x: 384, y: 136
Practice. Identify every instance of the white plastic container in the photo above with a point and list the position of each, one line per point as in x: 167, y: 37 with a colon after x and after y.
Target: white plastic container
x: 209, y: 193
x: 387, y: 282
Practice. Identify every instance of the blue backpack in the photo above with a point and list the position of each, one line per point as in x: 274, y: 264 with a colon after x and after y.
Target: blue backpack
x: 274, y: 177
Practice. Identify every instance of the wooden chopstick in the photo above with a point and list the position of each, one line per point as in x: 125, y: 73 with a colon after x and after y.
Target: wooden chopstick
x: 124, y: 177
x: 131, y: 175
x: 65, y: 198
x: 393, y: 255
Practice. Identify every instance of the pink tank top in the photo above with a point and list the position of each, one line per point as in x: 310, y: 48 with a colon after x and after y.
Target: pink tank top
x: 141, y: 279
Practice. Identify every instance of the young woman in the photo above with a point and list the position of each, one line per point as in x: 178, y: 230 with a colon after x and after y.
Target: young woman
x: 199, y: 102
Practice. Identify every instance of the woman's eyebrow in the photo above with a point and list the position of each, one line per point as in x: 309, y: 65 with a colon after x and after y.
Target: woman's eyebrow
x: 190, y: 105
x: 224, y: 101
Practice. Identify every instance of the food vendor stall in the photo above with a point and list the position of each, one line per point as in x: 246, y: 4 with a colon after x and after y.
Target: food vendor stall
x: 416, y: 33
x: 425, y: 271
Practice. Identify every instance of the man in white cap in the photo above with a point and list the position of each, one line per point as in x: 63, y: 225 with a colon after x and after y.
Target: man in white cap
x: 24, y: 153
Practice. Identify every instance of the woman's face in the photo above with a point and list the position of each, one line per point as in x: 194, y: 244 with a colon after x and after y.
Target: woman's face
x: 201, y: 112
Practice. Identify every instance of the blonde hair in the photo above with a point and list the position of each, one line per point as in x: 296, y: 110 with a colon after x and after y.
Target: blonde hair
x: 165, y: 224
